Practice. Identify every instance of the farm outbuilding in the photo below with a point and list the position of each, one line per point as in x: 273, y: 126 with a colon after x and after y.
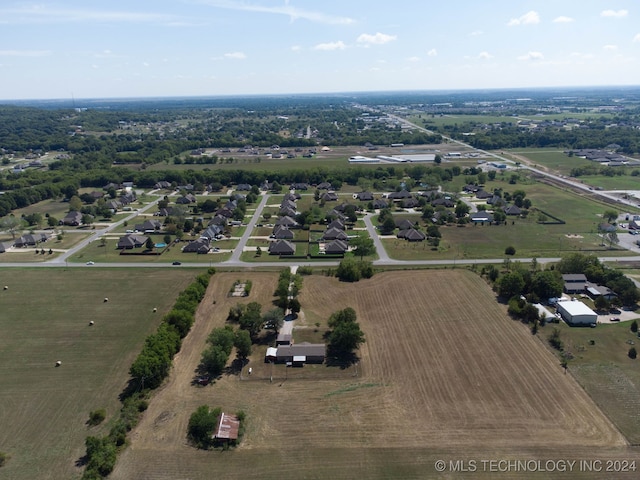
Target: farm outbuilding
x: 577, y: 313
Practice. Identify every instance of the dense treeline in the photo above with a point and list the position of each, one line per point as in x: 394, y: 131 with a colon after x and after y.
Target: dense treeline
x: 512, y: 136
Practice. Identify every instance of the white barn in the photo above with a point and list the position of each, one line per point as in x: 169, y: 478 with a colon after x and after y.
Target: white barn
x: 577, y: 313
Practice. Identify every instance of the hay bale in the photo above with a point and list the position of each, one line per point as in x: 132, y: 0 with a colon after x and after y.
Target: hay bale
x: 58, y: 363
x: 106, y: 299
x: 6, y: 287
x: 91, y: 322
x: 155, y: 310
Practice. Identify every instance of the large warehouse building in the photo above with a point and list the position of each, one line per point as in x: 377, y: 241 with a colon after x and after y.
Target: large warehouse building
x: 577, y: 313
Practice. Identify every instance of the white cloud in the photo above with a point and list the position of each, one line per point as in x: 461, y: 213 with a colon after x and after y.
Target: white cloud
x: 636, y: 39
x: 432, y: 53
x: 287, y: 10
x: 377, y: 39
x: 563, y: 19
x: 413, y: 59
x: 614, y: 13
x: 33, y: 14
x: 582, y: 56
x: 146, y: 64
x: 296, y: 48
x: 532, y: 56
x: 235, y: 55
x: 476, y: 33
x: 330, y: 46
x: 529, y: 18
x: 485, y: 56
x: 610, y: 48
x: 24, y: 53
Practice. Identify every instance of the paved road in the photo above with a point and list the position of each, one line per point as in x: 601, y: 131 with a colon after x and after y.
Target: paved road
x: 235, y: 256
x: 373, y: 233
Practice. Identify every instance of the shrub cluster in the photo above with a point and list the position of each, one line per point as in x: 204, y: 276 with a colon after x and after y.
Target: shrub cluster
x: 352, y: 270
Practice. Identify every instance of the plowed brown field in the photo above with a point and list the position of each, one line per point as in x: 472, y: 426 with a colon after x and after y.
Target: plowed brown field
x: 444, y: 374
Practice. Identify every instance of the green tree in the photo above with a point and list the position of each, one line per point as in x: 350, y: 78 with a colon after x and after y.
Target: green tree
x: 273, y: 319
x: 201, y: 425
x: 87, y: 219
x: 243, y: 344
x: 213, y: 360
x: 364, y: 246
x: 223, y: 337
x: 634, y: 326
x: 547, y: 284
x: 75, y: 204
x: 510, y: 250
x: 149, y: 244
x: 610, y: 215
x: 462, y: 209
x: 510, y: 284
x: 251, y: 319
x: 601, y: 303
x: 346, y: 335
x: 11, y: 224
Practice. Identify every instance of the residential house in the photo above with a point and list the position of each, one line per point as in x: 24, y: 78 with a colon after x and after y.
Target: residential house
x: 149, y: 226
x: 281, y: 232
x: 131, y: 241
x: 300, y: 353
x: 481, y: 217
x: 404, y: 224
x: 72, y: 219
x: 162, y: 185
x: 186, y: 199
x: 282, y: 247
x: 337, y: 223
x: 200, y: 246
x: 594, y: 291
x: 412, y: 235
x: 410, y: 203
x: 243, y: 187
x: 329, y: 196
x: 336, y: 247
x: 287, y: 221
x: 398, y: 196
x: 379, y: 204
x: 211, y: 232
x: 324, y: 186
x: 334, y: 234
x: 512, y: 210
x: 574, y: 282
x: 364, y: 196
x: 30, y: 240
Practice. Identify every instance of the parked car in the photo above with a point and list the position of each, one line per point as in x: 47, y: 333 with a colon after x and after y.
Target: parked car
x: 90, y: 263
x: 615, y: 319
x: 176, y: 263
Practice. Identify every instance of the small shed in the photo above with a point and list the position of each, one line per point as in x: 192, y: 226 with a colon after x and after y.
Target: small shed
x: 284, y: 339
x: 271, y: 354
x: 227, y: 427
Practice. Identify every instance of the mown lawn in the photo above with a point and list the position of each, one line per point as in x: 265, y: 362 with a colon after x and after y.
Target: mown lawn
x: 45, y: 318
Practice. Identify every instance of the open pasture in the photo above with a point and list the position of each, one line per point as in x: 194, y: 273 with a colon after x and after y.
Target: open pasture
x: 45, y: 318
x: 444, y: 374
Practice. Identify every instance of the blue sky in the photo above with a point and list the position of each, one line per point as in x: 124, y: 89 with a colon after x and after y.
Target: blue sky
x: 139, y: 48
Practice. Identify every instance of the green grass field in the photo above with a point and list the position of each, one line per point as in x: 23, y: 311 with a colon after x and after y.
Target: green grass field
x: 605, y: 370
x: 45, y: 318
